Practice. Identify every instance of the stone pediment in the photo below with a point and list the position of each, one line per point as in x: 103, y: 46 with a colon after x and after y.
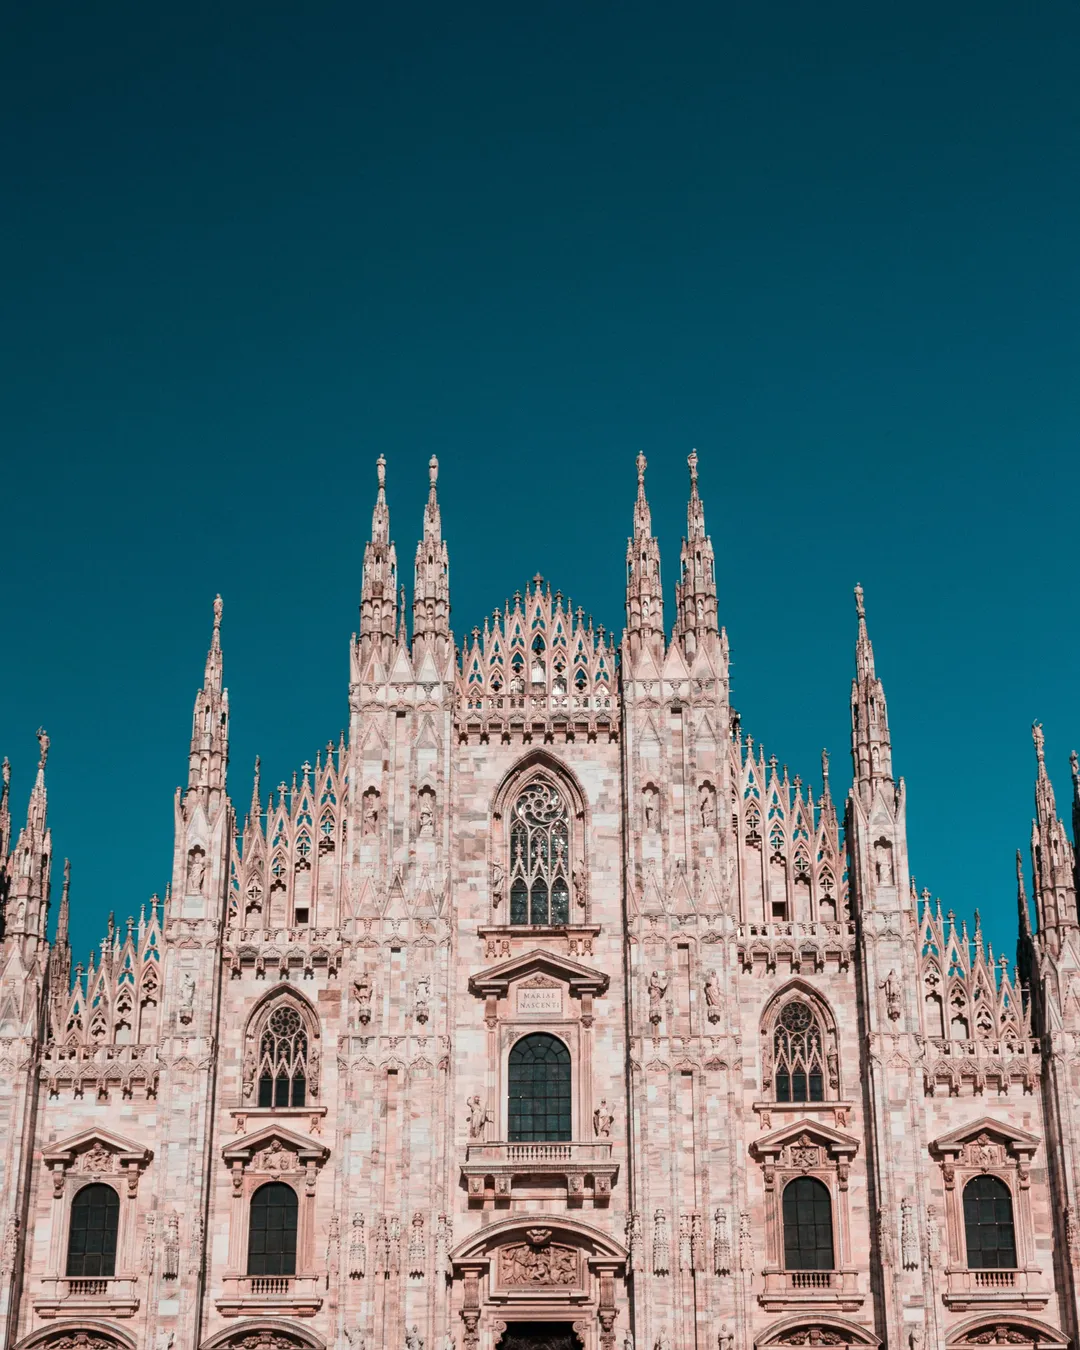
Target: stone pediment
x: 986, y: 1131
x: 804, y: 1330
x: 273, y: 1143
x: 805, y: 1134
x: 497, y: 980
x: 525, y: 1228
x: 96, y: 1150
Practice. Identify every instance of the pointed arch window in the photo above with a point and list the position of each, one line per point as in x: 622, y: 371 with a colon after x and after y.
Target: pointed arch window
x: 540, y: 866
x: 95, y: 1221
x: 283, y: 1059
x: 988, y: 1224
x: 798, y: 1051
x: 539, y: 1097
x: 808, y: 1233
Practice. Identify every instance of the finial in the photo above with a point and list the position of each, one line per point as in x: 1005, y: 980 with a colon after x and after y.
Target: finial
x: 67, y: 875
x: 1074, y: 764
x: 691, y: 459
x: 43, y: 743
x: 1039, y: 739
x: 217, y: 612
x: 642, y: 462
x: 860, y: 609
x: 433, y: 469
x: 380, y: 469
x: 5, y: 769
x: 825, y: 768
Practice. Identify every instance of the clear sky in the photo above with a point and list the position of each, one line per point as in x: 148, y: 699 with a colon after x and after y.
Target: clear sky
x: 247, y: 248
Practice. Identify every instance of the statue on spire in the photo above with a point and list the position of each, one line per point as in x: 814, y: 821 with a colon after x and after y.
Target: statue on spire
x: 695, y: 592
x: 431, y: 589
x: 644, y: 593
x: 208, y: 757
x: 378, y: 591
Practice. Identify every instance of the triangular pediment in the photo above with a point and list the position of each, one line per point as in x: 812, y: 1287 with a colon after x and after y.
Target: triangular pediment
x: 1019, y: 1141
x: 245, y: 1148
x: 813, y: 1131
x: 98, y: 1141
x: 497, y: 980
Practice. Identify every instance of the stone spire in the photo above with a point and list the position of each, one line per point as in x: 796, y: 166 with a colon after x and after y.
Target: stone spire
x: 60, y: 952
x: 871, y: 752
x: 695, y: 592
x: 378, y: 593
x: 1052, y: 862
x: 431, y: 587
x: 27, y: 902
x: 1074, y: 764
x: 208, y: 759
x: 1022, y: 910
x: 644, y: 593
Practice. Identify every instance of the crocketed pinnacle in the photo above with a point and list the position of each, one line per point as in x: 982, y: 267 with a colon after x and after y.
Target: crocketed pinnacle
x: 644, y: 593
x: 431, y: 588
x: 871, y: 750
x: 378, y: 591
x: 208, y: 757
x: 1052, y: 861
x: 695, y: 592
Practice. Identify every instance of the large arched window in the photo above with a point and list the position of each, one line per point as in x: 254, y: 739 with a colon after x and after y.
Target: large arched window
x: 798, y: 1054
x: 272, y: 1231
x: 808, y: 1236
x: 539, y: 1102
x: 988, y: 1224
x: 283, y: 1058
x: 540, y: 865
x: 95, y: 1218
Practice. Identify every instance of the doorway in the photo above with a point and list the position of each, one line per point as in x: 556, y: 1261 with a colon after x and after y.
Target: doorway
x: 539, y: 1336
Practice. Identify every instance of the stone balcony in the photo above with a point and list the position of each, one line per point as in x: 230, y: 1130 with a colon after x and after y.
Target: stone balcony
x: 86, y: 1296
x: 977, y: 1290
x: 266, y: 1295
x: 794, y: 1289
x: 496, y: 1171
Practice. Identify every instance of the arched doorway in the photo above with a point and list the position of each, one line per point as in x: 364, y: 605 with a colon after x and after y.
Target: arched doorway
x: 539, y: 1336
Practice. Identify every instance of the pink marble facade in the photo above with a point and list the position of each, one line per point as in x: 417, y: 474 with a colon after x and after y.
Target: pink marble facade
x: 710, y: 932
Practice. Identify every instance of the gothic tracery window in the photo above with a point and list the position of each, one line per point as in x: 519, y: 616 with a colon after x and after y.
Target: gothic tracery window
x: 798, y: 1054
x: 540, y: 864
x: 283, y: 1056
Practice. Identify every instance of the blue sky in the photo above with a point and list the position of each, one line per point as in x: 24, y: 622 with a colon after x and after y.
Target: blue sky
x: 249, y: 248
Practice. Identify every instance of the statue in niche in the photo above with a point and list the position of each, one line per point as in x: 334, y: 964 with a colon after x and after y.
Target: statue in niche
x: 479, y: 1116
x: 578, y: 879
x: 657, y: 989
x: 707, y: 806
x: 883, y: 863
x: 726, y: 1339
x: 371, y: 812
x: 714, y: 999
x: 196, y: 871
x: 498, y: 881
x: 628, y: 1341
x: 187, y: 996
x: 652, y: 811
x: 362, y: 989
x: 413, y: 1339
x: 355, y: 1337
x: 603, y: 1120
x: 662, y: 1342
x: 422, y: 999
x: 891, y: 988
x: 426, y: 813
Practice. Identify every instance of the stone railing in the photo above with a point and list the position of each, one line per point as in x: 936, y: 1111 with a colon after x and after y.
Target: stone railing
x: 837, y: 1289
x: 492, y: 1169
x: 975, y: 1289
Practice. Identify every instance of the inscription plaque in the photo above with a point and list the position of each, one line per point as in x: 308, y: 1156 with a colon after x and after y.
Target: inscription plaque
x: 542, y: 1000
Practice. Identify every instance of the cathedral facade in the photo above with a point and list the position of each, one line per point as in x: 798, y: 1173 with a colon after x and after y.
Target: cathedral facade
x: 542, y: 1012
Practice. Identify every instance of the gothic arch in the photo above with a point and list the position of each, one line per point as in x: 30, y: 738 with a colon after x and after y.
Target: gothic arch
x: 562, y: 1225
x: 799, y: 991
x: 806, y: 1330
x: 537, y: 761
x: 268, y: 1333
x: 304, y: 1058
x: 76, y: 1334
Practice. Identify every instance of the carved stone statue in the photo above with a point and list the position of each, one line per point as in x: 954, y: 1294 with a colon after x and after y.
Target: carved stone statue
x: 426, y: 813
x: 726, y: 1338
x: 915, y: 1338
x: 196, y: 871
x: 371, y: 815
x: 707, y: 806
x: 479, y: 1116
x: 657, y: 989
x: 891, y: 988
x: 422, y: 999
x: 413, y: 1339
x: 355, y: 1337
x: 628, y: 1341
x: 362, y: 989
x: 714, y: 999
x: 187, y: 996
x: 651, y: 821
x: 448, y: 1343
x: 498, y: 881
x: 578, y: 879
x: 662, y: 1342
x: 603, y: 1120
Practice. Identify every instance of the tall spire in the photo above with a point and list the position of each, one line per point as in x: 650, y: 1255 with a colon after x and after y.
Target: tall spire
x: 208, y: 758
x: 431, y: 587
x: 644, y: 594
x: 27, y: 902
x: 1052, y: 862
x: 1074, y: 764
x: 1022, y: 910
x: 378, y: 592
x: 695, y: 592
x: 871, y: 751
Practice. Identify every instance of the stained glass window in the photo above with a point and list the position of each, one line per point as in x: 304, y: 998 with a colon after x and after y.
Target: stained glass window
x: 988, y: 1223
x: 540, y: 856
x: 272, y: 1232
x: 798, y: 1053
x: 283, y: 1059
x: 95, y: 1219
x: 808, y: 1239
x: 539, y: 1105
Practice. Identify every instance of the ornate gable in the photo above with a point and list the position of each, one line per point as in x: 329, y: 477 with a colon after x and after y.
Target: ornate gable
x: 538, y: 964
x: 96, y: 1153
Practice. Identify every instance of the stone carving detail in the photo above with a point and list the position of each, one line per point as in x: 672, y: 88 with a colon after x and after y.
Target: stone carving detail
x: 417, y: 1255
x: 933, y: 1235
x: 362, y: 989
x: 196, y: 871
x: 813, y: 1336
x: 686, y: 1260
x: 661, y: 1244
x: 657, y: 988
x: 170, y: 1265
x: 11, y: 1244
x: 370, y: 825
x: 356, y: 1339
x: 634, y: 1240
x: 382, y: 1246
x: 662, y: 1342
x: 746, y: 1242
x: 96, y: 1161
x: 1002, y: 1334
x: 275, y: 1158
x: 721, y: 1243
x: 187, y: 997
x: 885, y: 1238
x: 909, y: 1244
x: 83, y: 1340
x: 714, y: 998
x: 983, y: 1152
x: 444, y: 1238
x: 357, y: 1248
x: 479, y: 1117
x: 422, y: 1000
x: 526, y: 1264
x: 891, y: 988
x: 148, y: 1244
x: 603, y: 1120
x: 413, y: 1339
x: 725, y: 1339
x: 195, y: 1264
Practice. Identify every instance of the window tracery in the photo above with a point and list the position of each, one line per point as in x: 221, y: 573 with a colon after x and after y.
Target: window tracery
x: 798, y: 1054
x: 540, y: 863
x: 281, y: 1061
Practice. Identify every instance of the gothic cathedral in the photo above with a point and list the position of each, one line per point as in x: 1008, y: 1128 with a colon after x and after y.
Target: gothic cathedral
x: 545, y: 1012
